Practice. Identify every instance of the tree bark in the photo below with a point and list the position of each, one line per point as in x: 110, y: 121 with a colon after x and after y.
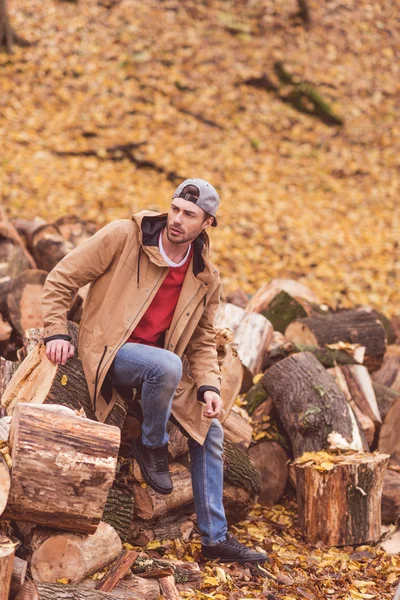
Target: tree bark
x: 391, y: 497
x: 282, y: 310
x: 20, y: 300
x: 168, y: 588
x: 272, y: 461
x: 117, y: 571
x: 175, y: 525
x: 313, y: 410
x: 7, y: 550
x: 389, y: 438
x: 63, y: 468
x: 57, y: 591
x: 130, y: 588
x: 352, y: 326
x: 119, y: 511
x: 342, y: 506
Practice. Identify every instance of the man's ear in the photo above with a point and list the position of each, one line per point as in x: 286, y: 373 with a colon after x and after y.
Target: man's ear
x: 208, y: 222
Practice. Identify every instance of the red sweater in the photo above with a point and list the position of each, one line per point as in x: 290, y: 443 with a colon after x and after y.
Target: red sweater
x: 158, y: 317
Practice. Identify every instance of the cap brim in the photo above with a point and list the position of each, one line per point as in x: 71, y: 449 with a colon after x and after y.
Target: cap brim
x: 214, y: 223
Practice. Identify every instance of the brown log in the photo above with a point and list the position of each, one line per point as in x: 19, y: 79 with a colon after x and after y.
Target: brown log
x: 150, y: 504
x: 256, y: 395
x: 389, y: 438
x: 174, y: 525
x: 238, y: 298
x: 74, y: 229
x: 342, y: 506
x: 366, y: 423
x: 389, y: 373
x: 353, y: 326
x: 188, y: 573
x: 313, y: 410
x: 40, y: 381
x: 63, y: 468
x: 231, y: 372
x: 48, y: 246
x: 14, y: 257
x: 268, y: 291
x: 20, y: 567
x: 272, y: 461
x: 7, y: 550
x: 57, y: 591
x: 362, y: 392
x: 20, y: 300
x: 242, y: 483
x: 117, y: 571
x: 61, y: 555
x: 391, y: 497
x: 385, y: 397
x: 228, y: 316
x: 178, y: 442
x: 168, y: 588
x: 119, y: 510
x: 130, y: 588
x: 237, y: 428
x: 5, y: 483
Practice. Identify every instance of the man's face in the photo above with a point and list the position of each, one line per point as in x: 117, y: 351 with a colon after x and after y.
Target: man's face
x: 185, y: 221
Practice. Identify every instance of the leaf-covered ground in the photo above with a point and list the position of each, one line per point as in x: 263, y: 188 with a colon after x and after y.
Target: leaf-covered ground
x: 118, y: 100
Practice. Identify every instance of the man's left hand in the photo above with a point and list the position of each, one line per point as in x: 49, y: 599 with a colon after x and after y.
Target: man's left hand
x: 214, y: 404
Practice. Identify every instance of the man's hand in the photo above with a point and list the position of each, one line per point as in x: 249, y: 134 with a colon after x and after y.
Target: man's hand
x: 214, y: 404
x: 58, y: 351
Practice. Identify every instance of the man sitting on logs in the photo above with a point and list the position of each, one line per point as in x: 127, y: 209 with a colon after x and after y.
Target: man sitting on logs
x: 153, y: 297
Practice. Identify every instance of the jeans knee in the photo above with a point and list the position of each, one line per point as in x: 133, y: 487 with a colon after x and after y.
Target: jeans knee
x: 169, y: 369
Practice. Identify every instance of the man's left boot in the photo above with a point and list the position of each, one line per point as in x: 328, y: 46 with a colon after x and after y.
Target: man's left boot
x: 153, y: 463
x: 231, y: 550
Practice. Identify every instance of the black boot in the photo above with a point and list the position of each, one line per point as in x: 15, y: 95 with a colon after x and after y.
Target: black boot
x: 153, y: 463
x: 231, y: 550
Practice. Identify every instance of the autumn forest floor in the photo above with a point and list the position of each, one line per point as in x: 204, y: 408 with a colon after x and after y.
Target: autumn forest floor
x: 115, y: 102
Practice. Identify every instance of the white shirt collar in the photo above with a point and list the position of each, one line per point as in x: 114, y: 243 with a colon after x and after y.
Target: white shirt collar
x: 168, y: 260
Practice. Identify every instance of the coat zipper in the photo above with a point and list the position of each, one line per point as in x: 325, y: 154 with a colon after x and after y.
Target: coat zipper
x: 97, y: 378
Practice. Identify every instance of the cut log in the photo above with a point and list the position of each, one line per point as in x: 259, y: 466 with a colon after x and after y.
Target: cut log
x: 366, y: 423
x: 61, y: 555
x: 130, y: 588
x: 57, y: 591
x: 48, y: 246
x: 119, y: 511
x: 389, y: 438
x: 63, y: 468
x: 5, y: 424
x: 150, y: 504
x: 268, y: 291
x: 272, y: 462
x: 7, y: 550
x: 168, y: 588
x: 7, y: 370
x: 313, y: 410
x: 238, y: 429
x: 242, y: 483
x: 385, y: 397
x: 252, y: 339
x: 40, y: 381
x: 389, y: 373
x: 282, y: 310
x: 255, y: 396
x: 5, y: 482
x: 173, y: 526
x: 228, y: 316
x: 20, y: 300
x: 117, y: 571
x: 362, y: 392
x: 20, y: 567
x: 14, y: 258
x: 353, y: 326
x: 74, y: 229
x: 341, y: 506
x: 238, y: 298
x: 184, y: 572
x: 391, y: 497
x: 231, y: 372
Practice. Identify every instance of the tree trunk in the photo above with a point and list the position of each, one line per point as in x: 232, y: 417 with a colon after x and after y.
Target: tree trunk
x: 40, y: 381
x: 8, y: 37
x: 353, y: 326
x: 313, y: 410
x: 272, y: 461
x: 63, y: 467
x: 7, y: 550
x: 58, y: 591
x: 56, y: 555
x: 150, y: 504
x: 341, y: 506
x: 391, y: 497
x: 20, y: 300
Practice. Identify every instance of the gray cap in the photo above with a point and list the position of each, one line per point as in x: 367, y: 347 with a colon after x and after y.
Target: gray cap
x: 208, y: 198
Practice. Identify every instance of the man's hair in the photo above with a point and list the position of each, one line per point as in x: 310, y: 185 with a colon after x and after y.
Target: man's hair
x: 193, y: 191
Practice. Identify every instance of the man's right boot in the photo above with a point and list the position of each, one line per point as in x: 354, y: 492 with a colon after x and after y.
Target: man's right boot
x: 153, y: 463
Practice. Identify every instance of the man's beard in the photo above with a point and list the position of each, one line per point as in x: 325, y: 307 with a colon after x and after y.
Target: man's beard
x: 184, y: 240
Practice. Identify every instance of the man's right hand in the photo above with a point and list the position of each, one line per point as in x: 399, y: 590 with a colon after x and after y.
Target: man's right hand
x: 58, y: 351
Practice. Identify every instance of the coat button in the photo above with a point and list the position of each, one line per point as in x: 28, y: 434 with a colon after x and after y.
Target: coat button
x: 172, y: 345
x: 187, y: 314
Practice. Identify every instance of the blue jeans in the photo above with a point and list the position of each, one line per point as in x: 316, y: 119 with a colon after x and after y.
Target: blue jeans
x: 159, y: 372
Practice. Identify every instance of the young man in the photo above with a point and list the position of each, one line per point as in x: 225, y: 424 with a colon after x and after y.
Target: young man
x: 152, y: 299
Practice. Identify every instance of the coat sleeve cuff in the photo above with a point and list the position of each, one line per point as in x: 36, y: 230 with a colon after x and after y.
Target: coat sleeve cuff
x: 206, y: 388
x: 58, y: 336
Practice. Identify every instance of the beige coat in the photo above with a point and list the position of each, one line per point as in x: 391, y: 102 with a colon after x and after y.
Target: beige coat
x: 125, y: 268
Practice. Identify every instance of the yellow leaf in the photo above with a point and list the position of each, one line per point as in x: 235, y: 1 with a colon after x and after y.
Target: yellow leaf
x: 64, y: 580
x: 258, y: 377
x: 211, y: 581
x: 153, y: 545
x: 64, y: 380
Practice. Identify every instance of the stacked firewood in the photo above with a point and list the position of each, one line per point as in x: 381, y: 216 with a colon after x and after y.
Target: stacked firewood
x: 301, y: 382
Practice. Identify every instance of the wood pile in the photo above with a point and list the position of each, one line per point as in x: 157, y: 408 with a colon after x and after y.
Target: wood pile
x: 300, y: 381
